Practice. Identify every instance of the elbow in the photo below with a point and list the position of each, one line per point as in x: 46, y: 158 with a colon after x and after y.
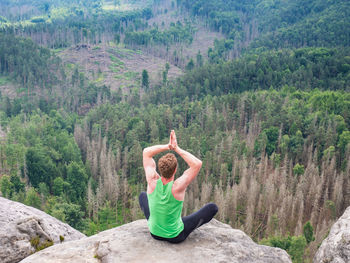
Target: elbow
x: 199, y: 164
x: 145, y: 152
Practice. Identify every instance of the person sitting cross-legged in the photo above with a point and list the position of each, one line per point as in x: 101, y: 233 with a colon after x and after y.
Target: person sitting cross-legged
x: 163, y: 202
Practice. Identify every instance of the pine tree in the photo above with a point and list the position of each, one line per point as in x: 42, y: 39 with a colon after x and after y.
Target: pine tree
x: 308, y: 232
x: 199, y: 58
x: 145, y: 79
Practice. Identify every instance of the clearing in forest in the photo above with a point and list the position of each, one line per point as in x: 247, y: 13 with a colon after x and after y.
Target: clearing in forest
x: 166, y: 13
x: 7, y: 88
x: 116, y: 66
x: 122, y: 5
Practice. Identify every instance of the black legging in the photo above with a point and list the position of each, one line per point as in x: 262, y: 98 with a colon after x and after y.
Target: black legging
x: 191, y: 222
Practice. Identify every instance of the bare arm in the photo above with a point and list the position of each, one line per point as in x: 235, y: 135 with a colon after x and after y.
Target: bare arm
x: 148, y: 162
x: 188, y: 176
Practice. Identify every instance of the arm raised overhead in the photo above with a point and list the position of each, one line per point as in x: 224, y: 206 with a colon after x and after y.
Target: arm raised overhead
x: 148, y: 162
x: 194, y: 166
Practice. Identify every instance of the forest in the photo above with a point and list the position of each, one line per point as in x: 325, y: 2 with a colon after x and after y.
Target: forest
x: 266, y: 108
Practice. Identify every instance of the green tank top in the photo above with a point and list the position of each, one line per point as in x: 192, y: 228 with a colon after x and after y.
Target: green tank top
x: 165, y: 211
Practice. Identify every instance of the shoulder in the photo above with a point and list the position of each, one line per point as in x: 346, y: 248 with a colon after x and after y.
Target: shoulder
x: 178, y: 191
x: 153, y: 177
x: 152, y: 182
x: 177, y: 186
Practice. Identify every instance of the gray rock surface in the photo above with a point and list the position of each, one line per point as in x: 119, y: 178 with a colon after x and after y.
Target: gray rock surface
x: 19, y: 224
x: 213, y: 242
x: 336, y: 247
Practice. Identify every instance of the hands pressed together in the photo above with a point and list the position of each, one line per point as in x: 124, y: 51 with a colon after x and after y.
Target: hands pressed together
x: 172, y: 141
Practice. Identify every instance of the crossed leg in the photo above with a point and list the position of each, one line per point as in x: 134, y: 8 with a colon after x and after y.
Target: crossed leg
x: 191, y: 222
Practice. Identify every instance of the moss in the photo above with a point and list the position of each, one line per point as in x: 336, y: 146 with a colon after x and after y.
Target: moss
x: 61, y: 238
x: 35, y: 242
x: 47, y: 243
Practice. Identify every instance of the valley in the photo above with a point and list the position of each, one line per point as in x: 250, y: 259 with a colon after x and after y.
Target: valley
x: 258, y: 90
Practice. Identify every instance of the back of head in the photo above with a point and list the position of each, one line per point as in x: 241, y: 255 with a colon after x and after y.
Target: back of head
x: 167, y: 165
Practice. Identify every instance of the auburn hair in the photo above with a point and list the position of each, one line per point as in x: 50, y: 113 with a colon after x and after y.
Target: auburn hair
x: 167, y: 165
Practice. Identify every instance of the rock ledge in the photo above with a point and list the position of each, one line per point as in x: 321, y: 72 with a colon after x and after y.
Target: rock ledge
x: 21, y: 224
x: 336, y: 247
x: 213, y: 242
